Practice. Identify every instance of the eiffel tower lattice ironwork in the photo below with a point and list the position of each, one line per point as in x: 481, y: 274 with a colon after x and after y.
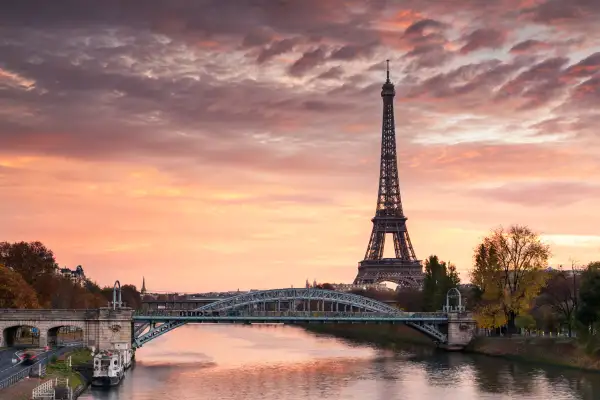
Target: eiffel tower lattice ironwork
x: 404, y: 269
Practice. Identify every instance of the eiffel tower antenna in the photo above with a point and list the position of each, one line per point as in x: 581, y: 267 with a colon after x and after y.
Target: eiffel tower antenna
x: 404, y: 269
x: 388, y: 70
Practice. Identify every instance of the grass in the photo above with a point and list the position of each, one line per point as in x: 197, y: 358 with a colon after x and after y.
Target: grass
x: 81, y: 356
x: 62, y: 370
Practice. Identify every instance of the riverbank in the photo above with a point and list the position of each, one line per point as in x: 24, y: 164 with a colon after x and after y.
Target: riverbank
x: 557, y: 351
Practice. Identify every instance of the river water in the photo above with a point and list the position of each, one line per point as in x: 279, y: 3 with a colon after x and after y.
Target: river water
x: 271, y: 362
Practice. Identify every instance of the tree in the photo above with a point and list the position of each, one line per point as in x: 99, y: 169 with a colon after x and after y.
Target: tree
x: 490, y: 316
x: 409, y: 299
x: 561, y: 295
x: 588, y: 313
x: 131, y: 297
x: 509, y: 270
x: 525, y: 321
x: 34, y: 262
x: 14, y: 291
x: 439, y: 278
x: 380, y: 295
x: 28, y: 259
x: 326, y: 286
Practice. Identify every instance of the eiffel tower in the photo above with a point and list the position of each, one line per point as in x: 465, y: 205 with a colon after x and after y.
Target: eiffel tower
x: 404, y: 270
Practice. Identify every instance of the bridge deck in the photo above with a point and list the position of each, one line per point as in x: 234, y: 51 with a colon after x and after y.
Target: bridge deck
x: 286, y: 316
x: 208, y: 319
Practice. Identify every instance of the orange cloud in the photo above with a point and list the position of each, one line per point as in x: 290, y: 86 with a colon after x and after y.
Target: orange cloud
x: 162, y: 155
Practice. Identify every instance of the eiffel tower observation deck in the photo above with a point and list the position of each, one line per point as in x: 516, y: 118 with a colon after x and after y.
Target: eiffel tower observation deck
x: 404, y: 269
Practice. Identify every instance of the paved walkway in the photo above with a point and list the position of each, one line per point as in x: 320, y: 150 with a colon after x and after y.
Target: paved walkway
x: 21, y: 390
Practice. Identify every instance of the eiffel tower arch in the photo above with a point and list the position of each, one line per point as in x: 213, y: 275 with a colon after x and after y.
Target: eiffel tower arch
x: 404, y: 269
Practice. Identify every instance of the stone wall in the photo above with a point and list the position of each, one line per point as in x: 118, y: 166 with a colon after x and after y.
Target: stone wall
x: 101, y: 327
x: 111, y: 326
x: 461, y: 330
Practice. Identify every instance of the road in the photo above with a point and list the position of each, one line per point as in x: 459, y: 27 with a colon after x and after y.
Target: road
x: 7, y: 368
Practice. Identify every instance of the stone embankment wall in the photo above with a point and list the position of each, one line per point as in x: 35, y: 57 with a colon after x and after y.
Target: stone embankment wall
x: 560, y: 351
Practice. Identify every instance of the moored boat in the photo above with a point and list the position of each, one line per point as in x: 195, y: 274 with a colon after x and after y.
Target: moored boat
x: 110, y: 365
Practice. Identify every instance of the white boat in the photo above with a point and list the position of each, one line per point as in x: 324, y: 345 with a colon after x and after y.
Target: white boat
x: 110, y: 365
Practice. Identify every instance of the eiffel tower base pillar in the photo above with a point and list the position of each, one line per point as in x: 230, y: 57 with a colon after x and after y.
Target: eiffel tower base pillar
x: 403, y: 273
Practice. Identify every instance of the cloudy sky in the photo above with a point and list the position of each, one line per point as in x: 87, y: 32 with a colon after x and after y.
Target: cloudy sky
x: 211, y: 144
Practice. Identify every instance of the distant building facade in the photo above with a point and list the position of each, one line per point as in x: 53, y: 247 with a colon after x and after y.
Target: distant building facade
x: 75, y: 275
x: 348, y: 287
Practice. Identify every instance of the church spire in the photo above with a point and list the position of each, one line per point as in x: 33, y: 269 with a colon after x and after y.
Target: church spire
x: 143, y: 291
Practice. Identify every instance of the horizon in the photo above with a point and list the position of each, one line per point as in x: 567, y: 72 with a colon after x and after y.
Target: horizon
x: 210, y: 148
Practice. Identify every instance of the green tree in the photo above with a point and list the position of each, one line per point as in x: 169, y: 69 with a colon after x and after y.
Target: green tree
x: 131, y: 297
x: 509, y: 270
x: 588, y: 313
x: 439, y: 278
x: 525, y: 321
x: 409, y: 299
x: 14, y: 291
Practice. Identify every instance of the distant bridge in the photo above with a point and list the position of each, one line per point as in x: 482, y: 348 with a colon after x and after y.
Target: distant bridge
x: 452, y: 329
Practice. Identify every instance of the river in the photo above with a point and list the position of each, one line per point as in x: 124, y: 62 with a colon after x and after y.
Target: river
x: 262, y: 362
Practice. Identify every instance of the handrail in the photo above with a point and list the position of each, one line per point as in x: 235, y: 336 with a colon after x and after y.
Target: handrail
x: 11, y: 380
x: 44, y: 390
x: 316, y: 314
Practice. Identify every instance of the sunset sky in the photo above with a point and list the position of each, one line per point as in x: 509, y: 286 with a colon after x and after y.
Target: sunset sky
x: 215, y: 145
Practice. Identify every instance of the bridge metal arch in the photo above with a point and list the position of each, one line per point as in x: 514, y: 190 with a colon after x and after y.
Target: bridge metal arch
x: 117, y: 289
x: 292, y: 294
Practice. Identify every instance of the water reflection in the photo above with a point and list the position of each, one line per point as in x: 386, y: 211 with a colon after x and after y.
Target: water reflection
x: 281, y: 363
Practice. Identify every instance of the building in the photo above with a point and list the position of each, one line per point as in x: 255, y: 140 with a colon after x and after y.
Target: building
x: 75, y: 275
x: 345, y: 287
x: 348, y: 287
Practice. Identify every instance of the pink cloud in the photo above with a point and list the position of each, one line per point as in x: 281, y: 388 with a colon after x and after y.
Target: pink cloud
x: 235, y: 135
x: 483, y: 38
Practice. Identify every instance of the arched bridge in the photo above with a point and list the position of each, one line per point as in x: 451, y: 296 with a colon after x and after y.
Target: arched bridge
x: 453, y: 329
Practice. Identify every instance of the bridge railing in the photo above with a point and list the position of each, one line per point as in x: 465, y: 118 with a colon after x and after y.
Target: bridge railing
x: 275, y: 314
x: 11, y: 380
x: 44, y: 391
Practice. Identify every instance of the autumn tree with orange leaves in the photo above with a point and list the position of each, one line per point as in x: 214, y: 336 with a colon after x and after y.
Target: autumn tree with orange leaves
x: 14, y: 291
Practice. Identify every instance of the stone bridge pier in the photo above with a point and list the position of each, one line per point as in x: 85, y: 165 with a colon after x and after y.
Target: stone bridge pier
x: 461, y: 330
x: 101, y: 327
